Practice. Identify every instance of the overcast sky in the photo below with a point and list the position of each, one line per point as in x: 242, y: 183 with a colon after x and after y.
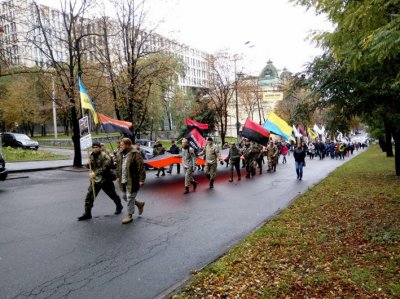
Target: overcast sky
x: 277, y: 29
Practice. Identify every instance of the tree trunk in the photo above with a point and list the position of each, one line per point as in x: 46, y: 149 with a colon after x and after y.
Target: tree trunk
x: 396, y: 137
x: 76, y: 137
x: 222, y: 132
x: 388, y: 137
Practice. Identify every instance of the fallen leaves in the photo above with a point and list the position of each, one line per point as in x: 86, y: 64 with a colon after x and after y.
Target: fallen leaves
x: 339, y: 240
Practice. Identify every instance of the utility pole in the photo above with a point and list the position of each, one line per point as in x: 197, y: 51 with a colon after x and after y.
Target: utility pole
x: 237, y: 103
x: 53, y: 97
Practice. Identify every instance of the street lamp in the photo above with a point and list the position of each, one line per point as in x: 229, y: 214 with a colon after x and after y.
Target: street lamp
x: 237, y: 102
x: 235, y: 59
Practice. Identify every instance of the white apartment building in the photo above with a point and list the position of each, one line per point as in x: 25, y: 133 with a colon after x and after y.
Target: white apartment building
x: 21, y: 40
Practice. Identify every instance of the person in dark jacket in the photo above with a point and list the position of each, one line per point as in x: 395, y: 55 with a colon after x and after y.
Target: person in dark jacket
x: 175, y: 150
x: 101, y: 179
x: 234, y: 161
x: 299, y: 155
x: 130, y: 177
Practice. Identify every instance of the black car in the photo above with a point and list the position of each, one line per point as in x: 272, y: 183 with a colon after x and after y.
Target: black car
x: 19, y: 140
x: 3, y: 170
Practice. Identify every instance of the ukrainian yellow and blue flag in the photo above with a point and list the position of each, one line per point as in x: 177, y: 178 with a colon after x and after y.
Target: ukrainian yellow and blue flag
x: 278, y: 126
x: 86, y: 101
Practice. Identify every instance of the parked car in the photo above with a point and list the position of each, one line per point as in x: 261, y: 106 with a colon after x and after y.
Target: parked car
x: 3, y: 169
x: 146, y: 142
x: 19, y: 140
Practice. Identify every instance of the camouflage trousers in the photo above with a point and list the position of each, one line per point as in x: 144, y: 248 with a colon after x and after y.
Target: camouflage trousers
x: 188, y: 172
x: 271, y: 162
x: 211, y: 170
x: 108, y: 187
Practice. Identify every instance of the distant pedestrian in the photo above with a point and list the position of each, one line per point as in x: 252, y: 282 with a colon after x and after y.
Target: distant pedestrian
x: 299, y: 157
x: 174, y: 149
x: 284, y: 152
x: 159, y: 150
x: 130, y: 177
x: 271, y: 152
x: 234, y: 161
x: 101, y: 179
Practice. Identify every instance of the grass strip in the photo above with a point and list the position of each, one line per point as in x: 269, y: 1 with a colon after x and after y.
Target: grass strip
x: 20, y: 155
x: 338, y: 240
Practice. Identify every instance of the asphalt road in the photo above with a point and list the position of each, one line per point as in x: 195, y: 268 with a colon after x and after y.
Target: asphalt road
x: 46, y: 253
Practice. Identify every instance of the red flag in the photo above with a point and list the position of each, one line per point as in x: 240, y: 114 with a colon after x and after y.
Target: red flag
x: 114, y: 125
x: 194, y: 124
x: 255, y: 132
x: 195, y: 140
x: 301, y: 130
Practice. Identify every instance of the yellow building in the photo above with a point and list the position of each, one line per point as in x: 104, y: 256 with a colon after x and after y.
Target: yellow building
x: 257, y: 96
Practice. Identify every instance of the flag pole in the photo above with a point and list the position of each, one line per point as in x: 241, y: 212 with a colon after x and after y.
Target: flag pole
x: 90, y: 164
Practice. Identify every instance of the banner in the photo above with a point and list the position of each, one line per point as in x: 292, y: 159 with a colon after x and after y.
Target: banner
x: 86, y: 101
x: 114, y: 125
x: 278, y: 126
x: 255, y: 132
x: 191, y: 124
x: 195, y: 140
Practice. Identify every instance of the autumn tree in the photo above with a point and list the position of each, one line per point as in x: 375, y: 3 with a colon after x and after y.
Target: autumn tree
x: 365, y: 44
x: 221, y: 88
x: 65, y: 66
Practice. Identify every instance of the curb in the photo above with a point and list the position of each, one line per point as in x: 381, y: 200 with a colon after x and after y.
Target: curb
x: 46, y: 168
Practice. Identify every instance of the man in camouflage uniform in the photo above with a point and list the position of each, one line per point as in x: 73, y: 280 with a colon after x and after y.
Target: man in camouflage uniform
x: 100, y: 175
x: 159, y: 150
x: 234, y: 161
x: 189, y: 165
x: 250, y: 153
x: 211, y: 156
x: 271, y: 152
x: 130, y: 177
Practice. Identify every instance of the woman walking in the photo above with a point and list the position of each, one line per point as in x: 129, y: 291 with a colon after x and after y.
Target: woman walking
x: 299, y: 155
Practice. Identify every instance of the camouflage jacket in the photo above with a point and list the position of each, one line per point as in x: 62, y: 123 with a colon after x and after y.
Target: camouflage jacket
x: 135, y: 172
x: 100, y: 164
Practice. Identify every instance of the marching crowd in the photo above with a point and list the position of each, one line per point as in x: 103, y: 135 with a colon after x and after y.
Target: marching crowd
x: 126, y: 165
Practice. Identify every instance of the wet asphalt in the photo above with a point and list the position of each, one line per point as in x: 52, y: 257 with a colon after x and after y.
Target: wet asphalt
x: 46, y: 253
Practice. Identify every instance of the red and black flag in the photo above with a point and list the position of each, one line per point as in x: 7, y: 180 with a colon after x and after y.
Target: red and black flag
x: 195, y: 139
x: 114, y: 125
x: 255, y: 132
x: 192, y: 124
x: 163, y: 160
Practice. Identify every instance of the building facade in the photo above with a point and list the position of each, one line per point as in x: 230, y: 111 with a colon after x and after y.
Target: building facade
x: 257, y: 97
x: 22, y: 42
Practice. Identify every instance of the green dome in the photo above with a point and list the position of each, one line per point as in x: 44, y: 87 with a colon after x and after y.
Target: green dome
x: 285, y: 75
x: 269, y: 75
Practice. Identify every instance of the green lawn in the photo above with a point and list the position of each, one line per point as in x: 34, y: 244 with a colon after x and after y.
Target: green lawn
x: 65, y: 137
x: 19, y: 155
x: 341, y: 239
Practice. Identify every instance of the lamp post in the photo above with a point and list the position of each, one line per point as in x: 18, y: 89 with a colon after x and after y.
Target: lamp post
x: 237, y: 102
x: 235, y: 59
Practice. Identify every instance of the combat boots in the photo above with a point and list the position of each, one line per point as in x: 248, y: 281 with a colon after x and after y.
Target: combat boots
x: 118, y: 210
x: 127, y: 219
x: 140, y: 206
x: 86, y: 216
x: 194, y: 183
x: 211, y: 184
x: 186, y: 190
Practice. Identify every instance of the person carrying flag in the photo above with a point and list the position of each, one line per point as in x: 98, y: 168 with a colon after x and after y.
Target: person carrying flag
x: 100, y: 165
x: 189, y: 165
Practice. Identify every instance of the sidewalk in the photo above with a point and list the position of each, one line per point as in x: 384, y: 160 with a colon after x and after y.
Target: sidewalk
x: 16, y: 167
x: 27, y: 166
